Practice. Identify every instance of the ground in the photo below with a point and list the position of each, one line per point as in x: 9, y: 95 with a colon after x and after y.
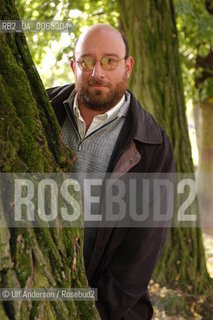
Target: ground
x: 177, y: 305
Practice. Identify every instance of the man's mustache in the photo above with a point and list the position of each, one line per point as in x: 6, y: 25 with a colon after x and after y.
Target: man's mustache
x: 99, y: 83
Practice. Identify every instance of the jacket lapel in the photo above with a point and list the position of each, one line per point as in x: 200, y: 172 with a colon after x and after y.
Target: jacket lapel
x: 127, y: 161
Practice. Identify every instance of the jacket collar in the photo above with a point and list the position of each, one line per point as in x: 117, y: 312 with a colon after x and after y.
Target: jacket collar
x: 59, y: 94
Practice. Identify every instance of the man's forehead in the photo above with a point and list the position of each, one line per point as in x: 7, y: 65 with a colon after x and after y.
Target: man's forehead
x: 100, y: 36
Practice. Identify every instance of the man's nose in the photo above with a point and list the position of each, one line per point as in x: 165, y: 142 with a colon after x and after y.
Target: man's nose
x: 97, y: 71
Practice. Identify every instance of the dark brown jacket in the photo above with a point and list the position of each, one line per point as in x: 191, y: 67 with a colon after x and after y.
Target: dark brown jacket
x: 124, y: 259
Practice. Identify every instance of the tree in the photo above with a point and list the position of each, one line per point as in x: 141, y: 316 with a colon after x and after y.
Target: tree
x: 156, y: 81
x: 30, y: 142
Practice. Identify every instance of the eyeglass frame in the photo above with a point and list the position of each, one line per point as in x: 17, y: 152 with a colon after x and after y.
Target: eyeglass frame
x: 95, y: 61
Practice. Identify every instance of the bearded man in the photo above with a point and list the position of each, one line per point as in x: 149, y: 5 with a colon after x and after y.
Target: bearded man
x: 110, y: 132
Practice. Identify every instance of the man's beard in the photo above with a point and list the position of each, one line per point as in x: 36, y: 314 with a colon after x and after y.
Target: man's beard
x: 99, y: 101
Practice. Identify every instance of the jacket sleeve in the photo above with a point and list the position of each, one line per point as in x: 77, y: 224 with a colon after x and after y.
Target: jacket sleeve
x: 122, y: 287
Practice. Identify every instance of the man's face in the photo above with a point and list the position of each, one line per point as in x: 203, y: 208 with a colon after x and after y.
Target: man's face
x: 101, y: 89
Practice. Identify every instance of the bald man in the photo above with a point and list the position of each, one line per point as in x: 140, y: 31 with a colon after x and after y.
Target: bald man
x: 110, y: 132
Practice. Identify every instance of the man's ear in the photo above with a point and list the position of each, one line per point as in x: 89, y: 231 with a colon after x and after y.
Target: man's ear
x: 72, y: 65
x: 129, y: 65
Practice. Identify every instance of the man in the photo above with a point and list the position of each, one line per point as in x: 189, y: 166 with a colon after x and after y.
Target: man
x: 110, y: 132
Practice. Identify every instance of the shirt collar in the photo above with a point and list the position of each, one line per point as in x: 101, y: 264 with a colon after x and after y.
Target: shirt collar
x: 110, y: 114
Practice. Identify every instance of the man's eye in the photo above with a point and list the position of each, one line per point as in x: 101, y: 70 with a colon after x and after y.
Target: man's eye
x: 109, y: 60
x: 86, y: 62
x: 83, y: 63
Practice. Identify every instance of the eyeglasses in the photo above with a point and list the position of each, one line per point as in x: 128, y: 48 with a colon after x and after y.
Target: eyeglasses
x: 107, y: 63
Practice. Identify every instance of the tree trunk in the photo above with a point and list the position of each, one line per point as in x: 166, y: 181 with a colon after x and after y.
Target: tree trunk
x: 156, y: 81
x: 30, y: 142
x: 204, y: 84
x: 205, y: 135
x: 204, y: 130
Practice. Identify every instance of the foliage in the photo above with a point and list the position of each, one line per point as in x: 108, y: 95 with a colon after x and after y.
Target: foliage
x: 195, y: 26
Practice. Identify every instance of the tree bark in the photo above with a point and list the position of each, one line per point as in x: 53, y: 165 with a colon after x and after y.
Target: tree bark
x: 204, y: 84
x: 204, y: 128
x: 30, y: 142
x: 205, y: 135
x: 156, y: 81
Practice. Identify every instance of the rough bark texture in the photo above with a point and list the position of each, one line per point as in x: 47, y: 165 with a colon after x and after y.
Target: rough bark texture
x: 156, y: 81
x: 30, y: 142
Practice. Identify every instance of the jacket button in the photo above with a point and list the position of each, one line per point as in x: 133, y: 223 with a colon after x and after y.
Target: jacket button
x: 130, y: 161
x: 135, y: 157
